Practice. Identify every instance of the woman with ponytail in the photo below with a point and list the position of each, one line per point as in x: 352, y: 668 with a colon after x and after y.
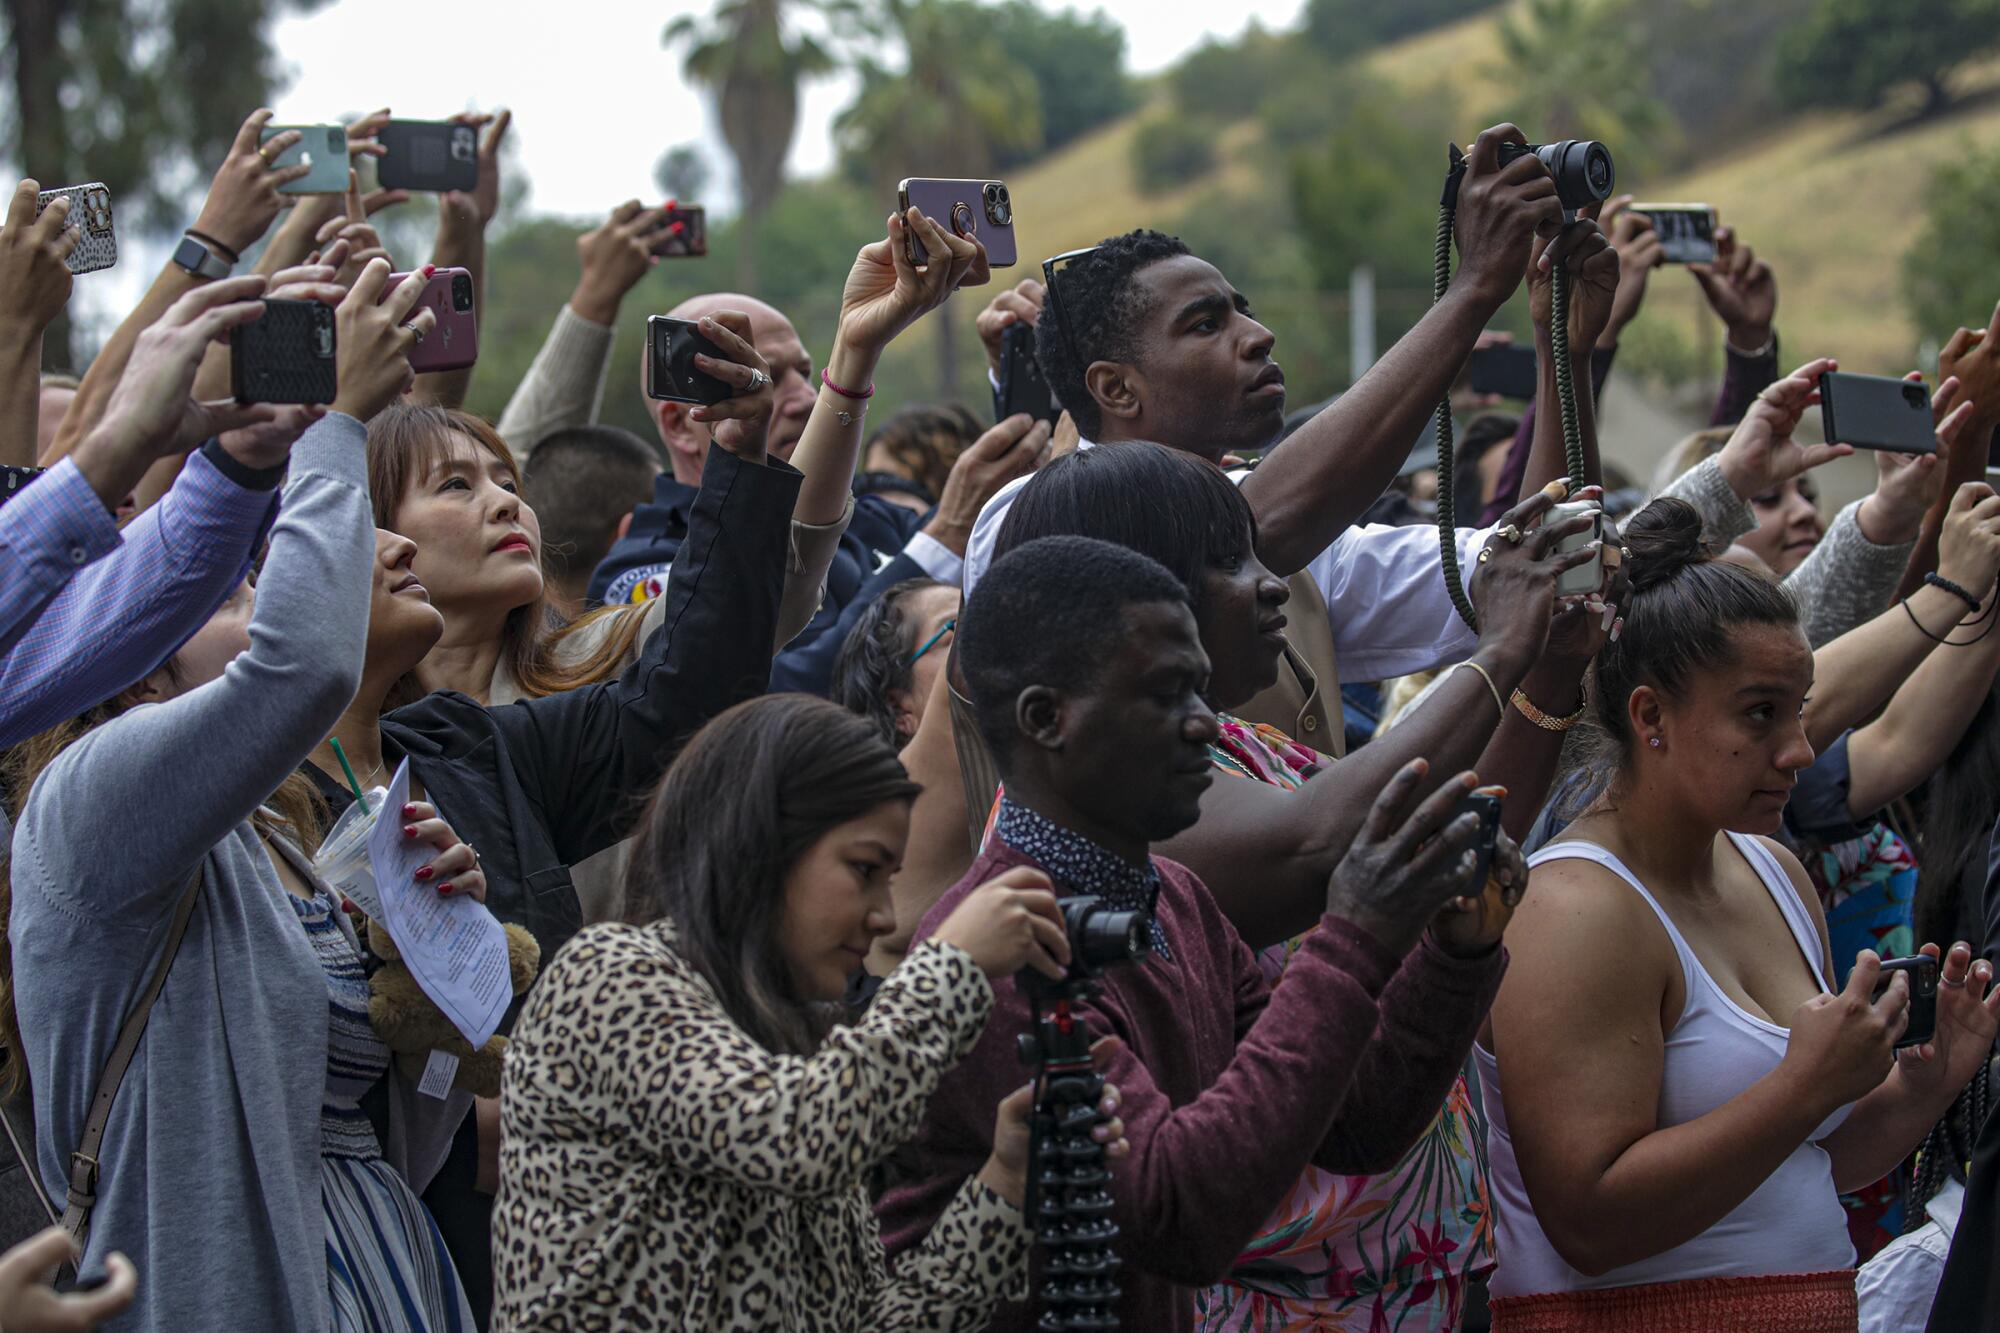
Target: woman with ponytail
x: 1675, y: 1096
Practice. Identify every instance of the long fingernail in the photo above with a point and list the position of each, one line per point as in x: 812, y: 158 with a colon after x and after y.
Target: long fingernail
x: 409, y: 830
x: 1617, y: 628
x: 430, y: 269
x: 1610, y: 616
x: 444, y: 889
x: 424, y: 873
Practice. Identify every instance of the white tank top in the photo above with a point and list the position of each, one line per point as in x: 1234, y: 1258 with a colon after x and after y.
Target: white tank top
x: 1793, y: 1223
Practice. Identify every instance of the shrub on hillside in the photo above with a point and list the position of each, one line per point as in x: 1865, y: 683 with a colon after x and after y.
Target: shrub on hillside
x: 1172, y: 151
x: 1949, y: 270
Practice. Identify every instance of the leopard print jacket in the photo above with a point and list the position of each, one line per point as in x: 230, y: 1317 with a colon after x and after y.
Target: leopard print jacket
x: 661, y: 1170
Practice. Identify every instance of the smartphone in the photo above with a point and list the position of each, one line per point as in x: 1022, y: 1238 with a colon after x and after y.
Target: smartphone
x: 692, y: 243
x: 1877, y: 412
x: 1487, y: 807
x: 1588, y: 576
x: 671, y: 376
x: 89, y: 217
x: 972, y: 208
x: 1022, y: 388
x: 323, y: 148
x: 13, y: 479
x: 1923, y: 970
x: 1686, y: 231
x: 287, y: 356
x: 427, y: 155
x: 1506, y: 370
x: 454, y: 343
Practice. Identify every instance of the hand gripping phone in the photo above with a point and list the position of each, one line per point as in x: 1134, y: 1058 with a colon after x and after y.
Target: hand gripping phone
x: 1588, y: 576
x: 1876, y: 412
x: 981, y: 210
x: 1487, y: 807
x: 1686, y: 231
x: 692, y: 240
x: 322, y: 148
x: 671, y: 376
x: 1505, y: 369
x: 453, y: 343
x: 435, y: 156
x: 1022, y: 388
x: 1923, y: 970
x: 286, y: 356
x: 90, y: 218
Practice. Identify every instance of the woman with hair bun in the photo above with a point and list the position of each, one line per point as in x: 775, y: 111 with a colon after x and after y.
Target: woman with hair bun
x: 1675, y: 1097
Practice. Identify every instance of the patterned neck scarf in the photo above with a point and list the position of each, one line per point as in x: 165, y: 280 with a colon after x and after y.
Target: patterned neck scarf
x: 1082, y: 866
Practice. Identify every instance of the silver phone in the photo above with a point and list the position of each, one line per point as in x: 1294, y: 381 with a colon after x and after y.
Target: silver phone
x: 1588, y: 576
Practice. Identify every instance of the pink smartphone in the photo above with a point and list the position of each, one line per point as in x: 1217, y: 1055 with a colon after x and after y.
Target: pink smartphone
x: 454, y: 343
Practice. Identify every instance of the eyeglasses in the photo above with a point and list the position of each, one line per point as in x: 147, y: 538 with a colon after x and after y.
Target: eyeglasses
x: 1049, y: 267
x: 931, y: 642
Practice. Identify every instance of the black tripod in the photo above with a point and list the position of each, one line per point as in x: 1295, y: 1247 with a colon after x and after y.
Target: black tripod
x: 1069, y: 1195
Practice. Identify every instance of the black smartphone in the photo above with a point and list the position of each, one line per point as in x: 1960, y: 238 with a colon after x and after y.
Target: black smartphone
x: 12, y: 479
x: 1506, y: 370
x: 1487, y: 807
x: 1686, y: 231
x: 671, y: 376
x: 428, y: 155
x: 286, y: 356
x: 1022, y: 388
x: 1923, y: 970
x: 1877, y: 412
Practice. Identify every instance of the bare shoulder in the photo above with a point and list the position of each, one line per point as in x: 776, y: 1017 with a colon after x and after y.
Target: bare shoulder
x: 1582, y: 920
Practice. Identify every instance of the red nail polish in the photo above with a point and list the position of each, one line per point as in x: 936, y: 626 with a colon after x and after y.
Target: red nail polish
x: 409, y: 812
x: 444, y: 889
x: 409, y: 830
x: 677, y: 228
x: 424, y: 873
x: 673, y: 203
x: 429, y: 269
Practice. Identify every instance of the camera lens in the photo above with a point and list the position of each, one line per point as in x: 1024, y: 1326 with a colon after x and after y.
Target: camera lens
x: 1913, y: 394
x: 461, y: 292
x: 1582, y: 170
x: 999, y: 205
x: 1098, y: 936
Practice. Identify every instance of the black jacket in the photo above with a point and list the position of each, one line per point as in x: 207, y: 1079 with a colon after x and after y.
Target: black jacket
x: 538, y: 785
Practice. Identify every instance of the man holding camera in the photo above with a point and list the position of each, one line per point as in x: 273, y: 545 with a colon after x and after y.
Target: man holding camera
x: 1085, y: 669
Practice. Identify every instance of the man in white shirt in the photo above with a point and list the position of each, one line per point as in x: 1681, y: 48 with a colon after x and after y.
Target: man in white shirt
x: 1895, y: 1289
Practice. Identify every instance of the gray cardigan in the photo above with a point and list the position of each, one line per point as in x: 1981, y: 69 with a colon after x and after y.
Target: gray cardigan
x: 211, y: 1163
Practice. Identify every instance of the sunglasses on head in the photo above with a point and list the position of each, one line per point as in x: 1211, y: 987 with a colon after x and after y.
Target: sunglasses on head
x: 1054, y: 311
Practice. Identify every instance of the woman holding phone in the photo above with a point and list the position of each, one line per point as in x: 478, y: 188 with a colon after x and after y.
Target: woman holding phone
x: 1675, y: 1096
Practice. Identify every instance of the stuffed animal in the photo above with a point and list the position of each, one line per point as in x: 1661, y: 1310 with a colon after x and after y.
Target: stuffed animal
x: 412, y: 1025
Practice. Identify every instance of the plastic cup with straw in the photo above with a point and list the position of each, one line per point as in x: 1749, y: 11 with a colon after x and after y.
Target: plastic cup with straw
x: 343, y: 858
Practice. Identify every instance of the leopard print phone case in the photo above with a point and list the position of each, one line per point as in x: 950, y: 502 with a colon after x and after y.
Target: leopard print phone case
x: 90, y: 218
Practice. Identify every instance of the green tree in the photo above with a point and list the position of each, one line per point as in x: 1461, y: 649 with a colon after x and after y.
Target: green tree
x: 103, y: 91
x: 1340, y: 28
x: 1572, y: 70
x: 682, y: 173
x: 1949, y: 270
x: 1853, y: 52
x: 1171, y: 151
x: 1078, y: 64
x: 752, y: 60
x: 1230, y: 80
x: 957, y: 106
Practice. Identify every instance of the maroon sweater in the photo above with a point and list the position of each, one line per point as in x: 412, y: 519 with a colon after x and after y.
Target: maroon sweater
x: 1229, y: 1088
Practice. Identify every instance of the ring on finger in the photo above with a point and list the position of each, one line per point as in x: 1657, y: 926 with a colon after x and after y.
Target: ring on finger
x: 1485, y: 554
x: 1955, y: 985
x: 759, y: 381
x: 416, y: 334
x: 1511, y: 534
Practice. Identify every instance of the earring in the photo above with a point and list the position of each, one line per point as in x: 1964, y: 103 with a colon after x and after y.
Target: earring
x: 1655, y: 742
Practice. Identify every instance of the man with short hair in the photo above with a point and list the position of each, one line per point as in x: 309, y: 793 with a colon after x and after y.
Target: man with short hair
x: 584, y: 482
x: 1086, y: 673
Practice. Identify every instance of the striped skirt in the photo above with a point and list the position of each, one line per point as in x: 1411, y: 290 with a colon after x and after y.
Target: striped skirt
x: 387, y: 1270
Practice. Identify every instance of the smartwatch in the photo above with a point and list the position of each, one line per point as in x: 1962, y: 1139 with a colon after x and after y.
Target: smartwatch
x: 199, y: 260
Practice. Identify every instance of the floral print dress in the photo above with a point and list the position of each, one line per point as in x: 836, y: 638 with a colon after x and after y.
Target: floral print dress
x: 1387, y: 1253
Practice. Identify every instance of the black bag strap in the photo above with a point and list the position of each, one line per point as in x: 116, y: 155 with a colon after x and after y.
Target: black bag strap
x: 83, y: 1164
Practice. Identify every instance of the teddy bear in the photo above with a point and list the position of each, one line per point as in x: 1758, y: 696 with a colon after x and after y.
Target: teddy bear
x: 412, y: 1026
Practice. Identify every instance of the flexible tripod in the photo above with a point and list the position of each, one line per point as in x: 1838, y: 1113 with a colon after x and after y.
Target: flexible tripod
x: 1069, y: 1195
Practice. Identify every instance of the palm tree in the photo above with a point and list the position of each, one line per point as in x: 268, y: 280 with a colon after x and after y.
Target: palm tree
x: 752, y: 62
x: 960, y: 103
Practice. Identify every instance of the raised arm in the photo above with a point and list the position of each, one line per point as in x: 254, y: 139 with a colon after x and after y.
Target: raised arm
x: 242, y: 201
x: 1971, y: 356
x: 1742, y: 291
x: 1335, y: 466
x: 461, y: 243
x: 1594, y: 275
x: 34, y: 287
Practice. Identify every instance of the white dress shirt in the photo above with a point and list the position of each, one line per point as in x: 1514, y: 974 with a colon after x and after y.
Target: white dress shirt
x: 1895, y: 1288
x: 1383, y: 585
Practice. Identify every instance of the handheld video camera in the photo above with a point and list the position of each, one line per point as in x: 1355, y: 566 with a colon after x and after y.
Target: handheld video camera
x: 1069, y: 1196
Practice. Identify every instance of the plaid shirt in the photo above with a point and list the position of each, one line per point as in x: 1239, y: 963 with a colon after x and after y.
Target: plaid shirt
x: 106, y: 626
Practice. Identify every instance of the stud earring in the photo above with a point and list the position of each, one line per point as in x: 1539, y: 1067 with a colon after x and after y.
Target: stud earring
x: 1655, y: 742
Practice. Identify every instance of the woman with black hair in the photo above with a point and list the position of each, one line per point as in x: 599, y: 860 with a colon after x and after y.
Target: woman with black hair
x: 889, y: 664
x: 1674, y: 1096
x: 688, y: 1127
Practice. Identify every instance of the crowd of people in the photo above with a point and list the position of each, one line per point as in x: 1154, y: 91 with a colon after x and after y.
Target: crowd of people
x: 1528, y: 976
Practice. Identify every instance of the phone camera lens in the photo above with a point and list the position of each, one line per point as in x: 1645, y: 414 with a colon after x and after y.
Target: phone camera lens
x: 461, y: 292
x: 1913, y: 394
x: 999, y: 205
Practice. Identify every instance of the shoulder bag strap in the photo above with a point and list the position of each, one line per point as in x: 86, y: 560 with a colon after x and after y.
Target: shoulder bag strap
x: 83, y: 1167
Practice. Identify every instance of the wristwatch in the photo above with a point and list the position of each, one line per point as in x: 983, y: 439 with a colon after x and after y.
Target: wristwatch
x: 199, y: 260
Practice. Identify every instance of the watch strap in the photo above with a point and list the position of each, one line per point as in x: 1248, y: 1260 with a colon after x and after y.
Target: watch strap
x: 199, y: 260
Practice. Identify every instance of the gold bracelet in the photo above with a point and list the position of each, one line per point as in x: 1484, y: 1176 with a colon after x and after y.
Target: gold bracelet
x: 1543, y: 720
x: 1486, y: 676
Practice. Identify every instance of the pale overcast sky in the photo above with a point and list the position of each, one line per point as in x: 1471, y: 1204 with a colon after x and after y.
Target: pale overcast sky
x: 595, y: 96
